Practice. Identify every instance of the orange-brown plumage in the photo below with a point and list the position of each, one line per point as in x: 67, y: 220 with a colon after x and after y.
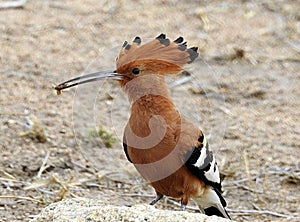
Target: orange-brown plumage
x: 181, y: 183
x: 158, y: 49
x: 179, y: 132
x: 167, y: 150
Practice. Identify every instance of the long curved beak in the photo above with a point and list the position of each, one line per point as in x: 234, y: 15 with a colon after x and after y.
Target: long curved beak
x: 102, y: 75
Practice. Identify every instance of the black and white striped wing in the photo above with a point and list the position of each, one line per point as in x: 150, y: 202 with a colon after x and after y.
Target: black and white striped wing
x: 202, y: 163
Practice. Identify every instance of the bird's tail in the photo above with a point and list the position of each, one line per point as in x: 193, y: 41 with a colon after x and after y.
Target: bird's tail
x: 212, y: 203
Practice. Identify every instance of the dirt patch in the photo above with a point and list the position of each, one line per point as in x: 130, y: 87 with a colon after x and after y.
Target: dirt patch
x: 244, y: 94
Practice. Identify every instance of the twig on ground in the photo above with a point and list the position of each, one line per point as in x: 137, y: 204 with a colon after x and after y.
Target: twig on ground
x: 57, y: 5
x: 137, y: 195
x: 45, y: 191
x: 22, y: 198
x: 8, y: 175
x: 12, y: 4
x: 179, y: 205
x: 262, y: 212
x: 10, y: 181
x: 12, y: 114
x: 180, y: 81
x: 43, y: 166
x: 9, y: 184
x: 287, y: 59
x: 92, y: 171
x: 246, y: 162
x: 225, y: 110
x: 295, y: 46
x: 248, y: 188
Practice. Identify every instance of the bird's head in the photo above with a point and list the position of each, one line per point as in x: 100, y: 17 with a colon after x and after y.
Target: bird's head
x: 159, y: 56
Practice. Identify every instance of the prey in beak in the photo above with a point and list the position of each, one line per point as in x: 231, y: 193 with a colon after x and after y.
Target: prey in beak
x: 96, y: 76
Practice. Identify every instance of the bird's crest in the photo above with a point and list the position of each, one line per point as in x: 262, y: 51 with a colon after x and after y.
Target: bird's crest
x: 159, y: 49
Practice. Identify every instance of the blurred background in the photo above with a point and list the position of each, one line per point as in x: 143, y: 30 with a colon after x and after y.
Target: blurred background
x: 243, y: 92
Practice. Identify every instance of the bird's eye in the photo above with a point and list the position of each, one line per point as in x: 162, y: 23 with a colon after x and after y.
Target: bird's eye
x: 135, y: 71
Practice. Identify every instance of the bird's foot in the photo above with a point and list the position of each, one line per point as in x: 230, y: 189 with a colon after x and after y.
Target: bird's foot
x: 182, y: 207
x: 157, y: 198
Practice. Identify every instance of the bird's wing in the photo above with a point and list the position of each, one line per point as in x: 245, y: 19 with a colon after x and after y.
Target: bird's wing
x: 201, y: 162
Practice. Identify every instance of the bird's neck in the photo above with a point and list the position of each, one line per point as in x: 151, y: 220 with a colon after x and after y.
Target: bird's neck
x: 146, y: 85
x: 149, y: 96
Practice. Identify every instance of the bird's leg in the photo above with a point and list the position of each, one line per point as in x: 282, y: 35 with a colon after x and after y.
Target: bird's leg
x: 182, y: 207
x: 157, y: 198
x: 183, y: 204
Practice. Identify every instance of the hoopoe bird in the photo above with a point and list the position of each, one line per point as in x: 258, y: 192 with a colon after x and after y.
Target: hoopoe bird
x: 166, y: 149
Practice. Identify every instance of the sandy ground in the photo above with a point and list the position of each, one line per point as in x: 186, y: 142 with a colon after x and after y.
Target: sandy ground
x: 244, y: 94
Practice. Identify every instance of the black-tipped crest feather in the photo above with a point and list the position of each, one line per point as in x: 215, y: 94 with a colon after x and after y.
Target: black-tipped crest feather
x: 161, y: 36
x: 137, y: 40
x: 160, y: 49
x: 178, y: 40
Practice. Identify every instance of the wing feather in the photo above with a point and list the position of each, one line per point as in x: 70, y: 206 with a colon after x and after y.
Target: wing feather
x: 202, y: 163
